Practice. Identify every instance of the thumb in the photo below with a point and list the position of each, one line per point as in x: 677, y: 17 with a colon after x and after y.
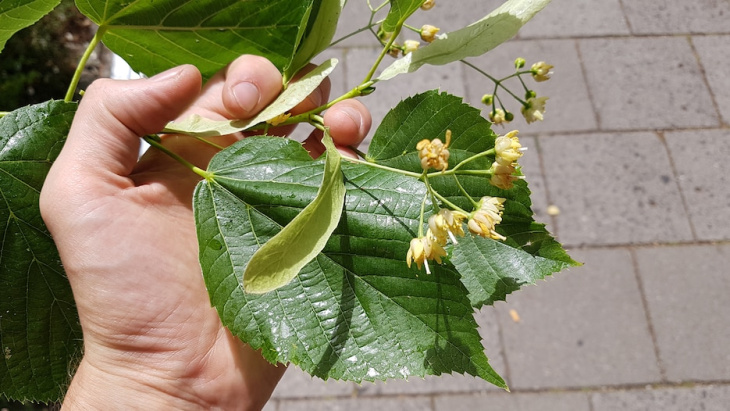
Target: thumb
x: 104, y: 137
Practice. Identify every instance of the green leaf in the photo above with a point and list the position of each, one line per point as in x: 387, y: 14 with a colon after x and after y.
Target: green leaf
x: 470, y: 41
x: 428, y: 116
x: 19, y: 14
x: 40, y: 336
x: 355, y: 312
x: 279, y: 260
x: 288, y: 99
x: 399, y: 12
x: 320, y: 30
x: 155, y: 36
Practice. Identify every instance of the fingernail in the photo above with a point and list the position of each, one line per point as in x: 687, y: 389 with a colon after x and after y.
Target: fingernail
x: 167, y: 74
x: 354, y: 115
x: 247, y: 95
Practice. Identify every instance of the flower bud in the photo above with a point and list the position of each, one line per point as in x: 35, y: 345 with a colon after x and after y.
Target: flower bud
x: 409, y: 46
x: 541, y: 71
x: 487, y: 99
x: 428, y: 4
x: 530, y: 94
x: 428, y: 32
x: 519, y: 63
x: 508, y: 116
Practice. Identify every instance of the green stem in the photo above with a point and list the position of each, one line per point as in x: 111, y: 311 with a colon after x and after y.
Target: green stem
x: 382, y: 167
x: 347, y: 36
x: 423, y: 210
x: 82, y: 63
x: 497, y: 83
x: 208, y: 142
x: 383, y: 52
x: 153, y: 141
x: 465, y: 161
x: 463, y: 191
x: 447, y: 202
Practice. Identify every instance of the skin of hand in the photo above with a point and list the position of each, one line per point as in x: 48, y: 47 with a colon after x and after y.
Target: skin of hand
x: 126, y: 235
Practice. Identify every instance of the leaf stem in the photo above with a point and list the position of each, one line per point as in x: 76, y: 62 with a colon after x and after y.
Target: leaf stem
x: 307, y: 117
x: 383, y: 52
x: 154, y: 142
x: 82, y: 63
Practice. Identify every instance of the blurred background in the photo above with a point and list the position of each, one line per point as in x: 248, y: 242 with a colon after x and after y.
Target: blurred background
x: 629, y: 170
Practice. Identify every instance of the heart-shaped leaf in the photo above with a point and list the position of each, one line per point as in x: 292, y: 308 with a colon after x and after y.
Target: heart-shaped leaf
x: 40, y: 335
x: 19, y: 14
x: 279, y: 260
x: 155, y: 36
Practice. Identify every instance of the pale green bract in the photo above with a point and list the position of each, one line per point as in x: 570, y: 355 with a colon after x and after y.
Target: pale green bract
x: 279, y: 260
x: 19, y: 14
x: 318, y: 39
x: 470, y: 41
x: 198, y: 126
x: 399, y: 12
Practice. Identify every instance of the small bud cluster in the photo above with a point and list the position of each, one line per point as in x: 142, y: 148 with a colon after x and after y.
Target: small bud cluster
x: 442, y: 226
x: 433, y: 153
x: 485, y: 218
x: 533, y: 107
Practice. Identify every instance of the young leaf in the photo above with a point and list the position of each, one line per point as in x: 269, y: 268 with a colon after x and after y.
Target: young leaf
x: 155, y: 36
x: 320, y: 30
x: 19, y: 14
x: 399, y: 11
x: 279, y: 260
x: 470, y: 41
x: 40, y: 335
x: 288, y: 99
x: 355, y: 312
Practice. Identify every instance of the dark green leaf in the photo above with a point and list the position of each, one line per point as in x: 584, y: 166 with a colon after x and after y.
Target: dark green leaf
x: 320, y: 30
x: 154, y: 36
x: 40, y: 336
x: 356, y: 312
x: 19, y: 14
x: 429, y: 115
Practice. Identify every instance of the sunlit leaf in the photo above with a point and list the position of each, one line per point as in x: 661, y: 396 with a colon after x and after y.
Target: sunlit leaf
x: 399, y: 11
x: 320, y: 30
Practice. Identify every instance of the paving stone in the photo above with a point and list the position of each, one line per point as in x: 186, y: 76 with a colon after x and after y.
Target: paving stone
x: 705, y: 187
x: 272, y: 405
x: 714, y: 52
x: 568, y: 108
x: 359, y: 404
x: 547, y: 401
x: 702, y: 398
x: 613, y: 189
x: 298, y: 384
x: 530, y: 163
x: 687, y: 290
x: 675, y: 16
x: 647, y: 82
x: 586, y: 18
x: 489, y: 330
x: 389, y: 93
x: 582, y: 328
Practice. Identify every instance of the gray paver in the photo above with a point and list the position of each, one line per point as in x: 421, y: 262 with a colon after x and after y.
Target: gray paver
x: 568, y: 108
x: 704, y: 398
x: 646, y: 83
x: 587, y: 18
x: 585, y: 327
x: 530, y: 163
x: 687, y: 290
x: 489, y: 330
x: 714, y: 52
x: 359, y: 404
x: 700, y: 158
x: 613, y: 189
x: 671, y: 17
x: 548, y: 401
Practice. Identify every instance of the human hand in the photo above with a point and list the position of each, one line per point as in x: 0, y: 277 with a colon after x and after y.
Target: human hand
x: 126, y: 236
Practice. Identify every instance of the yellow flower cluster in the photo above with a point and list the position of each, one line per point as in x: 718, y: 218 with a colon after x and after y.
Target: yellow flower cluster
x: 484, y: 220
x: 507, y: 151
x: 534, y: 108
x: 442, y: 226
x: 434, y: 153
